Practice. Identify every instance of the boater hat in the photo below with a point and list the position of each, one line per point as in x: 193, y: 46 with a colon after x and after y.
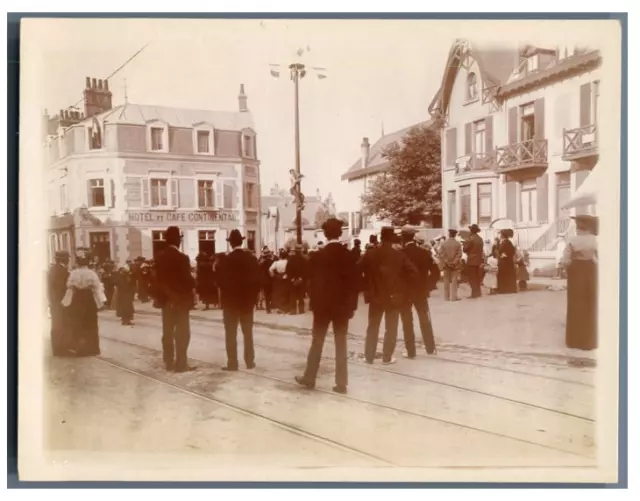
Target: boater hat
x: 587, y: 222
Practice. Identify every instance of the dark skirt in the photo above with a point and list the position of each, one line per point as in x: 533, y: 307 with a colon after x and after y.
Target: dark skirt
x: 582, y: 305
x: 281, y: 294
x: 61, y: 341
x: 124, y: 302
x: 507, y: 283
x: 83, y: 323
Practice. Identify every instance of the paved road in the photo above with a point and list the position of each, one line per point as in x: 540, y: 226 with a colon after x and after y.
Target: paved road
x: 463, y: 408
x: 530, y: 322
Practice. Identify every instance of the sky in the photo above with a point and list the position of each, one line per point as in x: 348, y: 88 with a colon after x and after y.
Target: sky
x: 379, y: 74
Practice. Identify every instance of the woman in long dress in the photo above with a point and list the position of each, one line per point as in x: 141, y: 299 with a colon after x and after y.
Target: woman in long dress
x: 507, y: 283
x: 280, y: 283
x: 581, y: 262
x: 125, y: 293
x: 84, y: 297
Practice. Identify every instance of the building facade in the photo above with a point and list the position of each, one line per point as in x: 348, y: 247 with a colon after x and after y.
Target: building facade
x: 118, y: 177
x: 519, y: 136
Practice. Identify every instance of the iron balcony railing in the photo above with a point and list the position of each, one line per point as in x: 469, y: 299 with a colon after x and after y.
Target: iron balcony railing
x: 475, y: 162
x: 580, y: 142
x: 530, y: 153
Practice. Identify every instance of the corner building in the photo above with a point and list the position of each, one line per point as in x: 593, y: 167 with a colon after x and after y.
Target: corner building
x: 118, y: 177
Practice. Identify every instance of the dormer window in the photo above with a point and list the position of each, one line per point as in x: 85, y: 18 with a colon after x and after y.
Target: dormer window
x: 203, y: 139
x: 472, y: 87
x: 95, y: 136
x: 533, y: 63
x: 248, y: 144
x: 157, y: 137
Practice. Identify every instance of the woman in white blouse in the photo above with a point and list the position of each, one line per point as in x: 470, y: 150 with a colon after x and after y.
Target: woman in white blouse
x: 83, y: 299
x: 280, y: 283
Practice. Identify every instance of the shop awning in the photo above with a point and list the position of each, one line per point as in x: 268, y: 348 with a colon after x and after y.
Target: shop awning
x: 587, y: 194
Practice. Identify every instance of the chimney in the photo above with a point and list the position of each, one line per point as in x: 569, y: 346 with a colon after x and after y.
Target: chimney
x: 365, y: 151
x: 242, y: 99
x: 97, y: 97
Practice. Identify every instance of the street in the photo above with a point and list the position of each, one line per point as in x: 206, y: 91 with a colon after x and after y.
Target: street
x: 503, y: 401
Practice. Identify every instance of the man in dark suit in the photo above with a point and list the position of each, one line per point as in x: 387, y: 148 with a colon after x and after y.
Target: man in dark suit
x: 418, y: 293
x: 387, y: 272
x: 474, y: 248
x: 239, y: 280
x: 175, y: 295
x: 57, y: 287
x: 333, y: 295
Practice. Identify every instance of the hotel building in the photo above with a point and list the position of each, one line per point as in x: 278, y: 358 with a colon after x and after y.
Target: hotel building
x: 118, y: 177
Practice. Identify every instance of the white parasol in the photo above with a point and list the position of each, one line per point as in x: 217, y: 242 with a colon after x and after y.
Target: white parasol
x: 587, y: 194
x: 502, y: 223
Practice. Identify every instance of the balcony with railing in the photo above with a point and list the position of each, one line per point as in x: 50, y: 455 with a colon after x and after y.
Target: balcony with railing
x: 530, y: 154
x: 579, y: 143
x: 475, y: 163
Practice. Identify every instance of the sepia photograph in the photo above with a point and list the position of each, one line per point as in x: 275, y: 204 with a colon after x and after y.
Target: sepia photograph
x: 373, y: 250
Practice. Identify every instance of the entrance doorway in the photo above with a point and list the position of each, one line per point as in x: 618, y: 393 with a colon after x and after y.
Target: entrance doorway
x: 100, y: 244
x: 159, y: 243
x: 207, y: 242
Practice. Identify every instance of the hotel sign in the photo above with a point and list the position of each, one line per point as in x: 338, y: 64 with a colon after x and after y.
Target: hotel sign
x: 196, y: 217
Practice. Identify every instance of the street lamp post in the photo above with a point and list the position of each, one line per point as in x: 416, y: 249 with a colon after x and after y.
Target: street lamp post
x: 297, y: 73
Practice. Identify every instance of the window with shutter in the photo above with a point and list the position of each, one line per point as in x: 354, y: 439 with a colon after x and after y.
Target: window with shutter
x: 452, y: 150
x: 228, y: 195
x: 465, y: 205
x: 585, y: 105
x: 513, y: 125
x: 159, y: 189
x: 451, y: 200
x: 146, y: 192
x: 543, y: 198
x: 96, y: 195
x: 468, y: 148
x: 175, y: 198
x: 484, y: 203
x: 206, y: 194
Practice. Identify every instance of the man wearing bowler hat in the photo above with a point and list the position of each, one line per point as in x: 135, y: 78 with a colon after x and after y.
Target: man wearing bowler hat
x: 175, y: 295
x: 388, y: 273
x: 474, y: 248
x: 418, y: 292
x: 239, y: 280
x: 333, y: 292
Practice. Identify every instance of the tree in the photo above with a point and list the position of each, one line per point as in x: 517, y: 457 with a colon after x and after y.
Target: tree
x: 410, y: 190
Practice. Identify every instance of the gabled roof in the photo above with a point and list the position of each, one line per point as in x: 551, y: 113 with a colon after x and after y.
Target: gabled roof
x: 496, y: 66
x: 376, y: 160
x: 141, y: 114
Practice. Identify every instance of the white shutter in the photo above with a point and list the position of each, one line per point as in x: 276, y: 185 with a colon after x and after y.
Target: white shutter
x: 145, y: 192
x: 108, y: 194
x: 221, y: 240
x: 88, y: 200
x: 175, y: 200
x: 219, y: 190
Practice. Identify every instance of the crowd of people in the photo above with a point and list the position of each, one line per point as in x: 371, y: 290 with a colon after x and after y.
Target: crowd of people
x: 394, y: 276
